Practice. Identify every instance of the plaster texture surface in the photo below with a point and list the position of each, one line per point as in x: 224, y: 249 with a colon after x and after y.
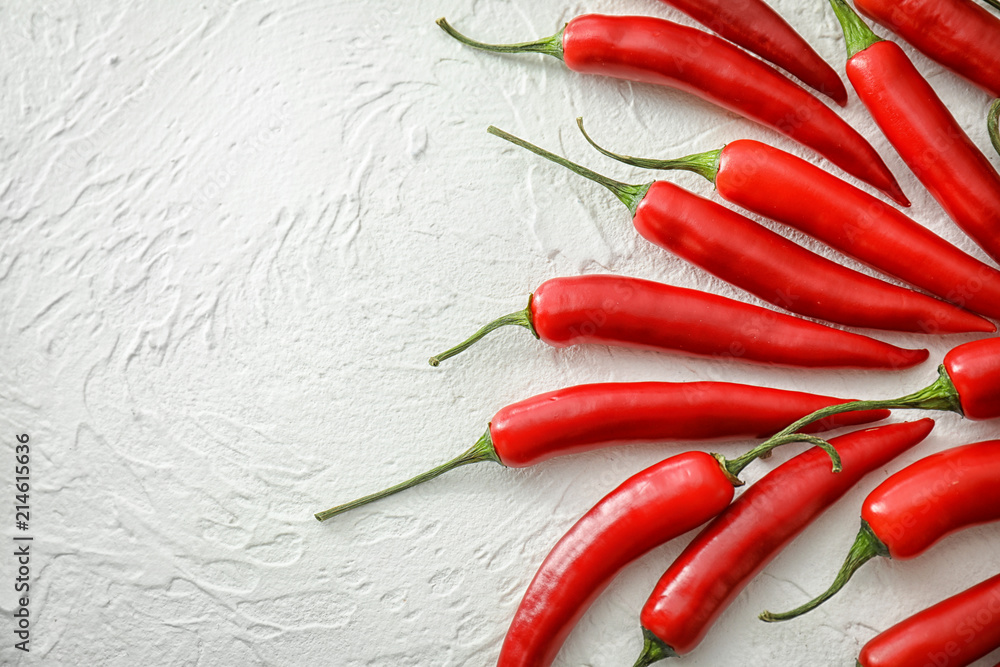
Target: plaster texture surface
x: 232, y: 233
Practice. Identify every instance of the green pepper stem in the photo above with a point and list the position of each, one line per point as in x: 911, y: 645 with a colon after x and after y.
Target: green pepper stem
x: 705, y: 164
x: 654, y: 649
x: 521, y: 318
x: 941, y: 395
x: 734, y: 467
x: 550, y: 46
x: 481, y: 451
x: 856, y: 32
x: 866, y: 546
x: 993, y: 122
x: 630, y: 195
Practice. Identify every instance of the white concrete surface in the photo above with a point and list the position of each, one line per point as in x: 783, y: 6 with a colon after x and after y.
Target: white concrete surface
x: 232, y: 232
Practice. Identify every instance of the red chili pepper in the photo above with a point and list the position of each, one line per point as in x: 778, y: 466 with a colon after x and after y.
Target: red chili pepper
x: 740, y: 542
x: 917, y: 507
x: 752, y: 257
x: 786, y: 188
x: 953, y: 633
x: 959, y: 34
x: 756, y: 27
x: 922, y: 130
x: 968, y: 383
x: 591, y: 416
x: 614, y: 310
x: 650, y: 508
x: 652, y: 50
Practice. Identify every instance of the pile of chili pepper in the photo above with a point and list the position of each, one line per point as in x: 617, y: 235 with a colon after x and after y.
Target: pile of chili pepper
x: 923, y: 131
x: 955, y: 292
x: 789, y: 190
x: 959, y: 34
x: 652, y: 50
x: 752, y: 257
x: 755, y: 26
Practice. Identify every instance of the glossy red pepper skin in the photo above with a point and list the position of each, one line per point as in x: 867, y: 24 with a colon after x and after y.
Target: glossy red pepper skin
x: 959, y: 34
x: 953, y: 633
x: 935, y: 497
x: 615, y: 310
x: 650, y: 508
x: 930, y: 141
x: 651, y: 50
x: 974, y: 370
x: 755, y: 26
x: 752, y: 257
x: 789, y: 190
x: 740, y: 542
x: 590, y: 416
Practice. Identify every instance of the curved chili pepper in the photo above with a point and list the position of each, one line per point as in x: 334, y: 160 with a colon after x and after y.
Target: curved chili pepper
x: 789, y: 190
x: 922, y: 130
x: 591, y: 416
x: 755, y: 26
x: 918, y: 506
x: 968, y: 383
x: 650, y: 508
x: 752, y: 257
x: 959, y: 34
x: 614, y: 310
x: 740, y: 542
x: 652, y: 50
x: 953, y: 633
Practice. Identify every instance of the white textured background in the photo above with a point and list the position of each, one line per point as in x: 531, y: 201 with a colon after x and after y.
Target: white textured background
x: 231, y: 233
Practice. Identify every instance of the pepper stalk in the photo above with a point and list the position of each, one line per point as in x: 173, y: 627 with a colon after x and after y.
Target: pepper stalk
x: 866, y: 546
x: 704, y: 164
x: 521, y: 318
x: 941, y: 395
